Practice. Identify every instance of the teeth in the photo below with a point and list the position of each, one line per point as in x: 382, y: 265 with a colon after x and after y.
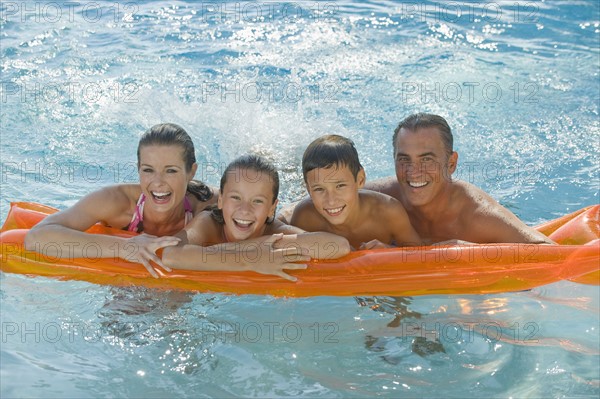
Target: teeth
x: 243, y: 222
x: 160, y: 194
x: 417, y: 184
x: 334, y: 210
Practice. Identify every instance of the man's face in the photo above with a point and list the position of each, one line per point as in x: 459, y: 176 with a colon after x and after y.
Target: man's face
x: 423, y: 165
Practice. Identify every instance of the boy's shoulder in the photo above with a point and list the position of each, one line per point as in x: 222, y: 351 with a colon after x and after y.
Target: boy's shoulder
x: 373, y: 201
x: 306, y: 216
x: 204, y: 229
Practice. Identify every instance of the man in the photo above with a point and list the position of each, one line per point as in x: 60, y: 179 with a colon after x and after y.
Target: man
x: 442, y: 209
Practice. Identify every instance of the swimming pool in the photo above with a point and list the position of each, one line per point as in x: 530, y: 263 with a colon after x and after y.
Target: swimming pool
x: 518, y: 82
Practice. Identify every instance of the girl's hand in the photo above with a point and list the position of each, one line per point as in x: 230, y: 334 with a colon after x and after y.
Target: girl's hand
x: 272, y: 261
x: 142, y: 249
x: 374, y: 244
x: 454, y: 242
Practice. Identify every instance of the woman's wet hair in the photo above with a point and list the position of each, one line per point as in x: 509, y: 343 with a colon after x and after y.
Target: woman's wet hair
x: 171, y: 134
x: 423, y: 120
x: 237, y: 168
x: 331, y: 151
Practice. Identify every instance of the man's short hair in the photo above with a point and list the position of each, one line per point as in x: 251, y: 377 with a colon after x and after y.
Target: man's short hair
x: 423, y: 120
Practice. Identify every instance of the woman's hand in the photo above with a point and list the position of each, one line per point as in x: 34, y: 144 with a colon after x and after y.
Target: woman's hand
x: 142, y: 249
x: 271, y: 260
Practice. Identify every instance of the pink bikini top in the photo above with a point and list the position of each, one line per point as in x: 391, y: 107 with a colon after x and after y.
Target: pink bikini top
x: 137, y: 224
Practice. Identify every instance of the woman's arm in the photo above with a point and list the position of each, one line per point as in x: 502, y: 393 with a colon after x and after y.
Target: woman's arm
x: 62, y: 235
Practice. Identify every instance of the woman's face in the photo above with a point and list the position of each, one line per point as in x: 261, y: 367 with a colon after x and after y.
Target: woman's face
x: 246, y: 202
x: 163, y: 177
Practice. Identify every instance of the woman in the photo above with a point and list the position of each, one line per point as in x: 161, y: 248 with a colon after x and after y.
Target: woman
x: 164, y: 201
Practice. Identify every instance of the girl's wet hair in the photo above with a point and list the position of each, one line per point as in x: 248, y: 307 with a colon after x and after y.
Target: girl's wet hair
x: 422, y: 120
x: 328, y: 151
x: 236, y: 170
x: 172, y: 134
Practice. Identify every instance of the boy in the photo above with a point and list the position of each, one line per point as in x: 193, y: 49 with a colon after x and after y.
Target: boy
x: 334, y: 176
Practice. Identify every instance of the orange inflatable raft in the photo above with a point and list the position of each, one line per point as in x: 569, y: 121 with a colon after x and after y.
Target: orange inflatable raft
x: 471, y: 269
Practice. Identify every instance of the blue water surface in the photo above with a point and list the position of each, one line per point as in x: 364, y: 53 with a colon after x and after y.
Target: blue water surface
x: 81, y: 81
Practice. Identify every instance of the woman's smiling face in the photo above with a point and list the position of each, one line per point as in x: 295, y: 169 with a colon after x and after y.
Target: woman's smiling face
x: 163, y: 177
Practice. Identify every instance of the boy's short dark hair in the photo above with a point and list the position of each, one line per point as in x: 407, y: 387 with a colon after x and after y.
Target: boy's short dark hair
x: 331, y: 150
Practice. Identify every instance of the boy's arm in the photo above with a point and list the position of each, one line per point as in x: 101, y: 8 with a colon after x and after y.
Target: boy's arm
x: 392, y: 214
x: 403, y: 233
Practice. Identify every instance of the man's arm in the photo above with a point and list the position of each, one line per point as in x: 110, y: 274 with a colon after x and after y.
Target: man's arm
x: 502, y: 226
x: 490, y: 222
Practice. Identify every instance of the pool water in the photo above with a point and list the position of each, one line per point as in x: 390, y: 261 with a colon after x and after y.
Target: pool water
x: 81, y: 81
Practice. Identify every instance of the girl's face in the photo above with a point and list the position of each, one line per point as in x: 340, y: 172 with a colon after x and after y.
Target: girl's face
x: 163, y: 177
x: 246, y: 202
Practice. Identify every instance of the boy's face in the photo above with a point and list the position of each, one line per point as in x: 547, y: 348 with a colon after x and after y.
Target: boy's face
x: 334, y: 192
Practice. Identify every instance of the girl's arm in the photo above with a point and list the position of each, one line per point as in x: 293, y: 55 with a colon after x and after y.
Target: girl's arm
x: 201, y: 248
x: 62, y: 235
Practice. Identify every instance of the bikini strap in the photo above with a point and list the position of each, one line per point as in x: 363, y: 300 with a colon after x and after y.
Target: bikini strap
x: 137, y: 214
x: 189, y: 210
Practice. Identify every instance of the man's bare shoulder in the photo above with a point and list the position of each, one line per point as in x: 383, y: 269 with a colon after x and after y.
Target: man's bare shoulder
x: 474, y: 200
x: 488, y: 221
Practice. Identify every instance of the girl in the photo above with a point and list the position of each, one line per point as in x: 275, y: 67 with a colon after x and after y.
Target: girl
x: 245, y: 214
